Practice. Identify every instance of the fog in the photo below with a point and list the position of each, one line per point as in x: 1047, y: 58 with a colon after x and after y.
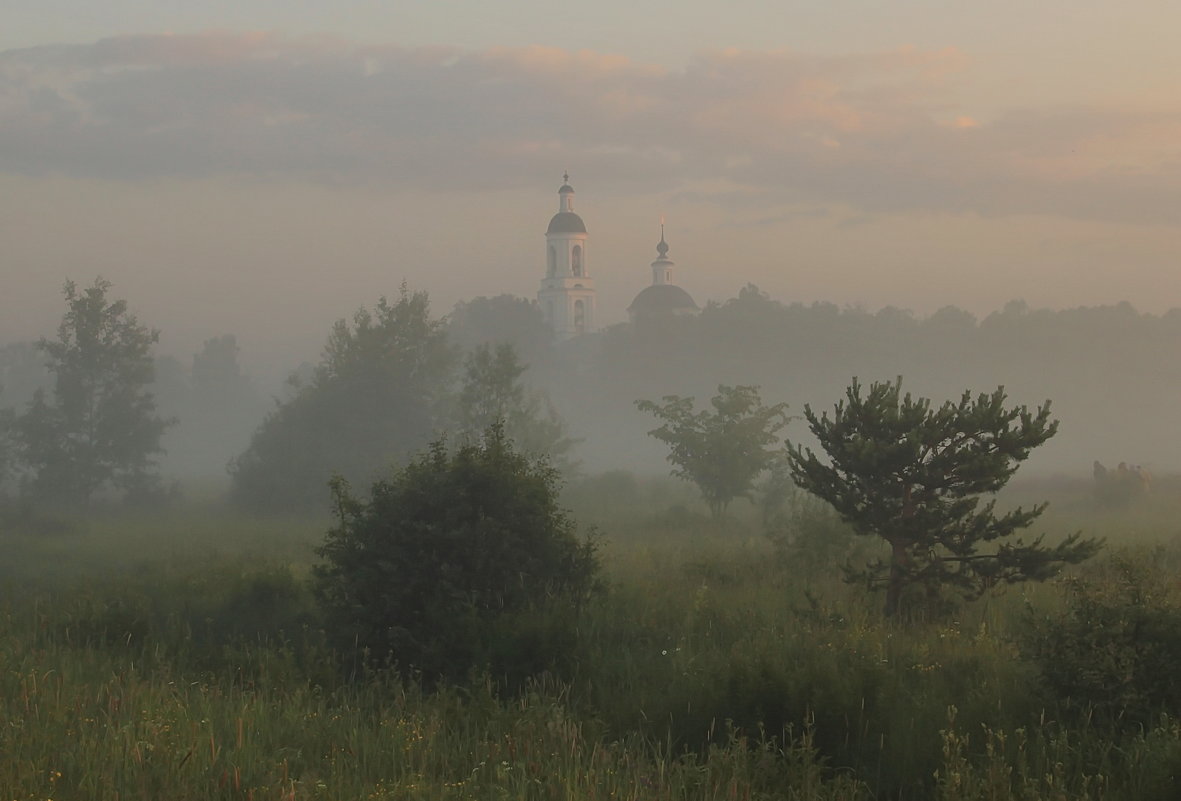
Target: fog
x: 916, y: 191
x: 352, y: 443
x: 266, y: 184
x: 1108, y: 371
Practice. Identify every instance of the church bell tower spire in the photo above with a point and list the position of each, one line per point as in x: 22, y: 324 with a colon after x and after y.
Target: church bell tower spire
x: 567, y: 293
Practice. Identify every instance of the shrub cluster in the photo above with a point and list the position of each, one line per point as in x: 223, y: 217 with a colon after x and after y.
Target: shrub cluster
x: 460, y: 559
x: 1113, y: 652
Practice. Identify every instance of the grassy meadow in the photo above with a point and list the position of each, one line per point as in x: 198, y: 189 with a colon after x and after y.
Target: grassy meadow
x: 179, y: 654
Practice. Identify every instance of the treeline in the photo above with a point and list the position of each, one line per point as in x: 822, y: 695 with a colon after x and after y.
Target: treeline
x: 393, y: 377
x: 1109, y: 371
x: 99, y: 407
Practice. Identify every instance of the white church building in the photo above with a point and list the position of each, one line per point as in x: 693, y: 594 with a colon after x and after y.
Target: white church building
x: 567, y: 293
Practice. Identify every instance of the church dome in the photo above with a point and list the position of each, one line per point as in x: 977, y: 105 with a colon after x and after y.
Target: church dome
x: 662, y: 299
x: 566, y: 222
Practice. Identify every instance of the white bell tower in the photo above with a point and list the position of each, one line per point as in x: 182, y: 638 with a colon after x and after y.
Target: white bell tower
x: 567, y: 293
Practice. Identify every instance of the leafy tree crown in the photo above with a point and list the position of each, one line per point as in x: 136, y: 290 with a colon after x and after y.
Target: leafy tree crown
x: 101, y: 430
x: 443, y: 547
x: 723, y: 449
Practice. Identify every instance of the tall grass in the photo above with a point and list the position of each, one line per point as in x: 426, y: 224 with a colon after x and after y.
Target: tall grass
x: 182, y: 657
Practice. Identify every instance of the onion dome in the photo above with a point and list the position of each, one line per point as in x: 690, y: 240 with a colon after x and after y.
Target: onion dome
x: 663, y: 297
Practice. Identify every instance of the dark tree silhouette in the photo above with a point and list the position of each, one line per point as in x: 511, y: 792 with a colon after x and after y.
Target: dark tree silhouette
x: 377, y: 396
x: 445, y: 550
x: 493, y: 390
x: 914, y: 476
x: 100, y: 430
x: 722, y: 450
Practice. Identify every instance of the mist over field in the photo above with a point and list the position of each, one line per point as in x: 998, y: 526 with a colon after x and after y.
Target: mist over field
x: 926, y: 194
x: 618, y: 400
x: 1106, y: 371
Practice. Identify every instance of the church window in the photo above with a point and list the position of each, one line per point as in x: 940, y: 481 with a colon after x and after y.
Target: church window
x: 552, y: 268
x: 576, y: 260
x: 579, y: 317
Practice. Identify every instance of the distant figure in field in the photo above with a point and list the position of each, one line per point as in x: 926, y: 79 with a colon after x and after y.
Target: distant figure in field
x: 1100, y: 472
x: 1118, y: 487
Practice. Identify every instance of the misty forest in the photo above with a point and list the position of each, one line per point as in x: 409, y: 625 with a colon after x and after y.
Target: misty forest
x: 767, y: 550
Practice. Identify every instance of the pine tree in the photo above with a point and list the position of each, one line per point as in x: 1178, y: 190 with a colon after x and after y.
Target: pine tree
x: 915, y: 476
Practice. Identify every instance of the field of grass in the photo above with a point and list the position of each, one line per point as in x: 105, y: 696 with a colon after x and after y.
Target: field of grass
x: 179, y: 655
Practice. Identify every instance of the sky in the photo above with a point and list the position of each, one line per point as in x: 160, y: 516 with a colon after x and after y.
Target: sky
x: 264, y: 168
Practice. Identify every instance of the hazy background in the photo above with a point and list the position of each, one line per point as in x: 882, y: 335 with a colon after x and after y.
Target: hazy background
x: 263, y: 169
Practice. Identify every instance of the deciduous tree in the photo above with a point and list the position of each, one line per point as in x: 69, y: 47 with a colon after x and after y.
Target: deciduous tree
x: 916, y: 476
x: 722, y: 450
x: 378, y: 395
x: 493, y: 390
x: 7, y: 447
x: 100, y: 430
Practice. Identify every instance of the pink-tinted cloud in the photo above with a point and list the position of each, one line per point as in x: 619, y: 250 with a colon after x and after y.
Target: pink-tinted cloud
x: 881, y: 133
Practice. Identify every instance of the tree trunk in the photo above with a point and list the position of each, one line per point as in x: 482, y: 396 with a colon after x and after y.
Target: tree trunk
x: 899, y: 561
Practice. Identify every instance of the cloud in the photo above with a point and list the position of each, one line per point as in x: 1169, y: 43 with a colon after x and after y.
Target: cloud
x: 879, y: 132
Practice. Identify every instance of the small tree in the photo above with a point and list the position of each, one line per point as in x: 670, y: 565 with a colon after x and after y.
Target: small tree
x: 724, y: 450
x: 493, y: 391
x: 101, y: 430
x: 7, y: 447
x: 427, y: 570
x: 913, y: 476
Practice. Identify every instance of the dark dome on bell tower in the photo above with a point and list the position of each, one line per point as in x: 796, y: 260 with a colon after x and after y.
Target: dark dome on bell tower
x: 566, y: 221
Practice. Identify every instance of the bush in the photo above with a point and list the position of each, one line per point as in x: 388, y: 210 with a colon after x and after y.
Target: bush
x: 431, y: 570
x: 809, y: 535
x: 1113, y: 652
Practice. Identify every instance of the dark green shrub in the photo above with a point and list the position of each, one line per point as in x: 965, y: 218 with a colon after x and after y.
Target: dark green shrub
x: 1114, y: 651
x: 267, y: 603
x: 428, y: 571
x: 809, y: 535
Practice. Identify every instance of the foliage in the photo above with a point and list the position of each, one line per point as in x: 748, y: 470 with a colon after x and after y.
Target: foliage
x: 23, y: 372
x: 1113, y: 652
x: 492, y: 391
x: 808, y: 534
x: 426, y: 570
x: 218, y: 406
x: 216, y: 371
x: 914, y: 477
x: 101, y: 431
x: 7, y: 447
x: 377, y: 395
x: 502, y: 319
x: 724, y: 450
x: 183, y: 664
